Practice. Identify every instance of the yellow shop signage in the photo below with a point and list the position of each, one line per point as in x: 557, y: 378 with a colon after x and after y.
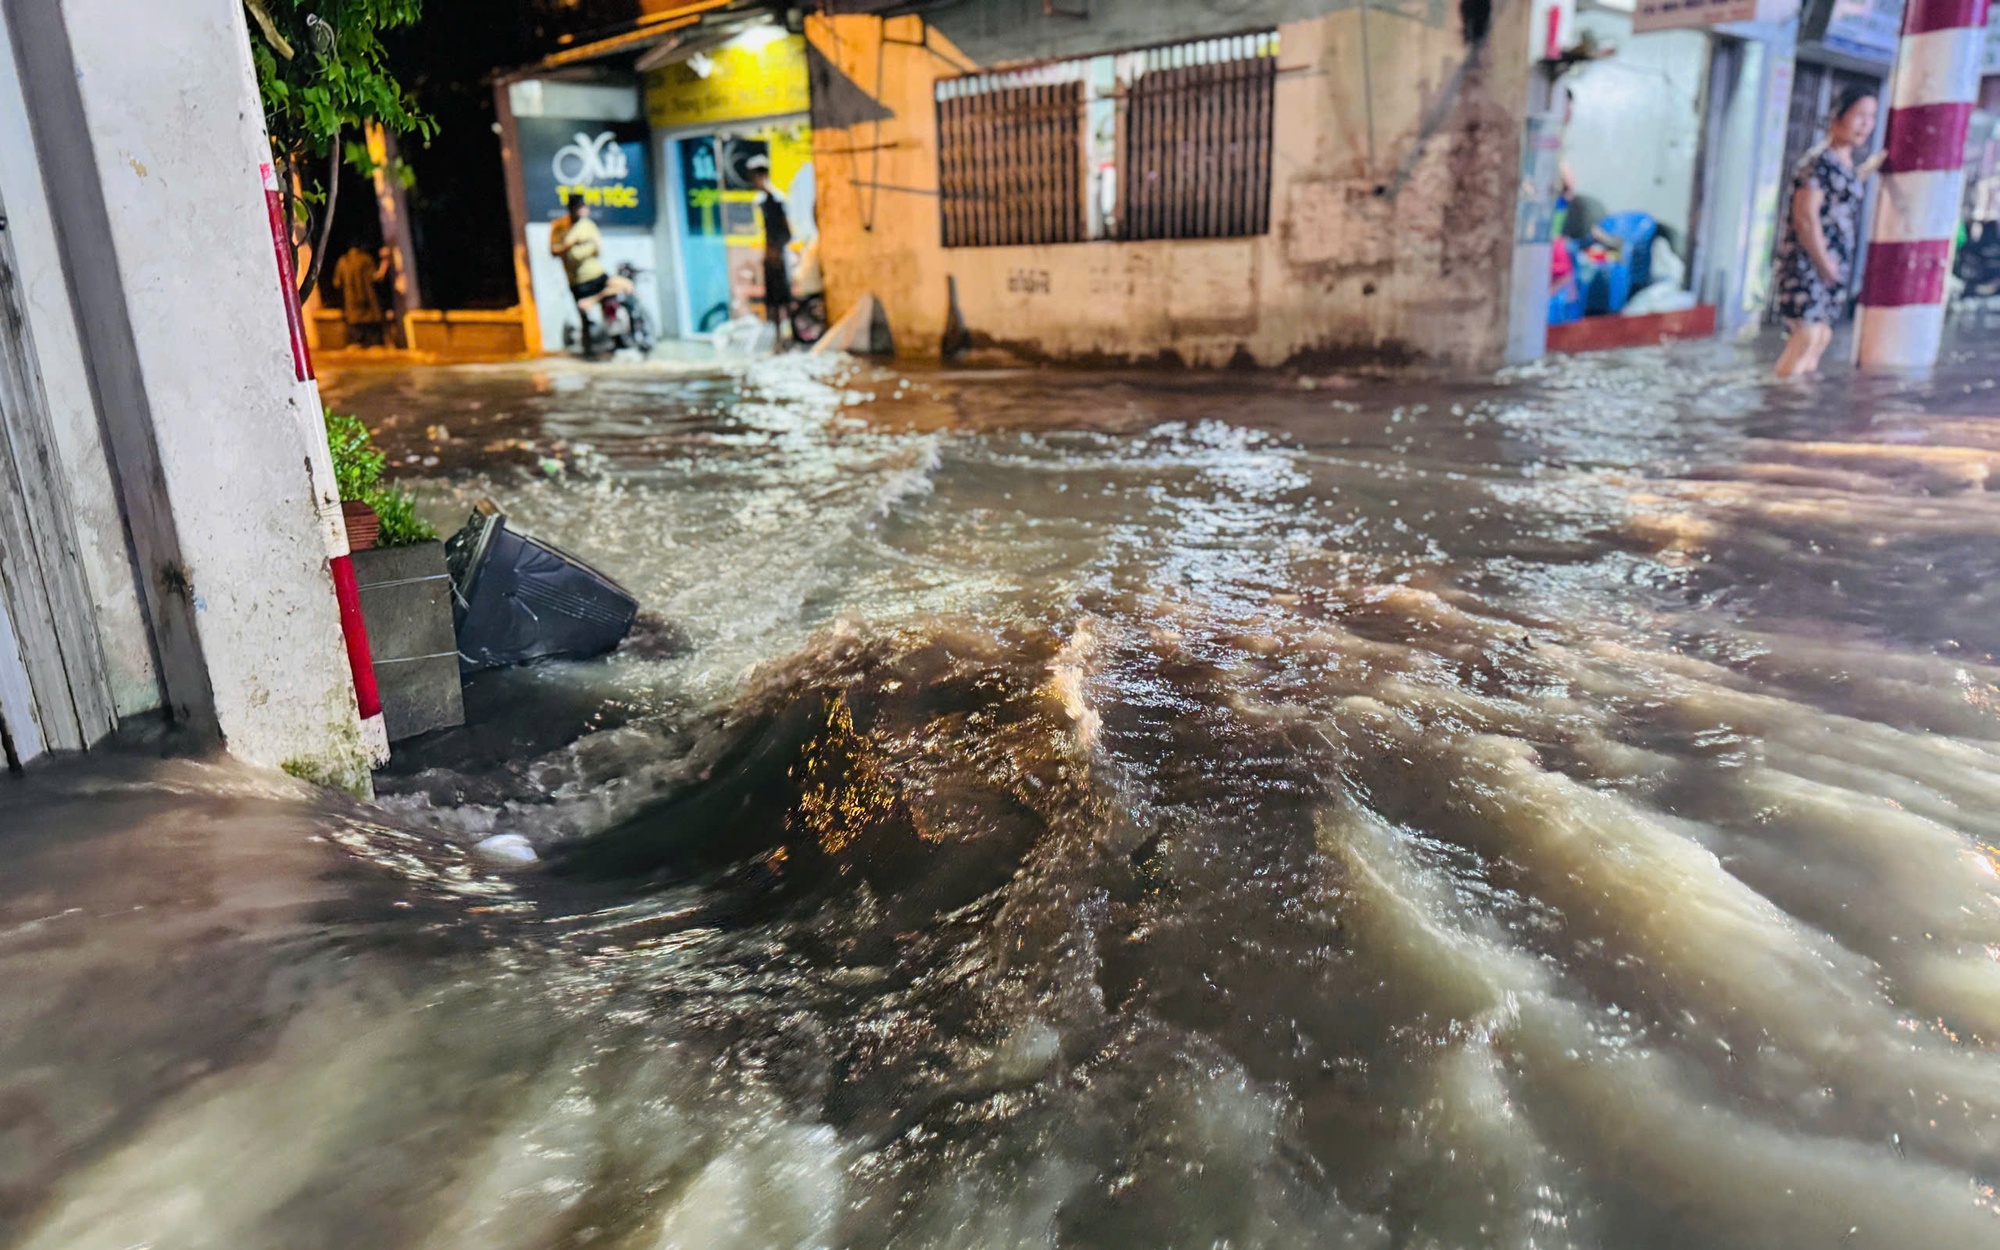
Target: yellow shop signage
x: 755, y: 75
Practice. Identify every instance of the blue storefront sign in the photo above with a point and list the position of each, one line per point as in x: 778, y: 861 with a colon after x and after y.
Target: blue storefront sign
x: 1867, y: 29
x: 604, y: 161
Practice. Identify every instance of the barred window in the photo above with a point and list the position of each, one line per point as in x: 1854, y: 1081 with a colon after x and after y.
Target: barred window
x: 1010, y: 159
x: 1197, y: 141
x: 1166, y: 143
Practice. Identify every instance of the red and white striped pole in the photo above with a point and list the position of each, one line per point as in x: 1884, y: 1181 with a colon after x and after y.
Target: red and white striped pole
x: 1900, y: 324
x: 326, y: 496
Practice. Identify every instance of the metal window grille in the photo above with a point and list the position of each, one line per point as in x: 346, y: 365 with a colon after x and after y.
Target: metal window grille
x: 1010, y: 157
x: 1196, y: 150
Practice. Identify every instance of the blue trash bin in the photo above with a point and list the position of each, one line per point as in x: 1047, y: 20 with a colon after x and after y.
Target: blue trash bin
x: 1636, y: 231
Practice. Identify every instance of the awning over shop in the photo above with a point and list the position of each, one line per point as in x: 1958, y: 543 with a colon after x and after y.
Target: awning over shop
x: 665, y: 28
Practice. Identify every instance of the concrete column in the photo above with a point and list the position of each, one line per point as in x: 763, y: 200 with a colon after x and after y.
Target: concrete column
x: 154, y: 154
x: 1932, y: 92
x: 1528, y: 297
x: 517, y: 213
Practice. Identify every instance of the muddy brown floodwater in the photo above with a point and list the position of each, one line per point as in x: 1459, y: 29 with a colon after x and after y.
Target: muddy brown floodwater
x: 1093, y: 811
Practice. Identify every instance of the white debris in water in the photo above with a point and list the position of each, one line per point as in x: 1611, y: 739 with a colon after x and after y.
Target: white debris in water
x: 506, y: 850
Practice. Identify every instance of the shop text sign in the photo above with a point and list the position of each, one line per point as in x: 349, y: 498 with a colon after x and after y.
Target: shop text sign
x: 1669, y: 14
x: 1868, y: 29
x: 747, y: 77
x: 603, y: 161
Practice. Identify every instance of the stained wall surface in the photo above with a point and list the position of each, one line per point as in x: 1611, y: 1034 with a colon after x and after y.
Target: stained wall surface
x: 1395, y: 175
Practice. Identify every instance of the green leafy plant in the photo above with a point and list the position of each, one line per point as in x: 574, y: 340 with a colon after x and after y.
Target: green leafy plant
x: 324, y: 76
x: 401, y: 526
x: 357, y: 471
x: 357, y: 466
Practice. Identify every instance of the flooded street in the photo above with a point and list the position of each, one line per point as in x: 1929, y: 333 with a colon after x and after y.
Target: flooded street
x: 1090, y: 810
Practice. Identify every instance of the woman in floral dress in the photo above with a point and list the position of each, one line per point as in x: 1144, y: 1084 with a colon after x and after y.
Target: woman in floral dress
x: 1816, y: 259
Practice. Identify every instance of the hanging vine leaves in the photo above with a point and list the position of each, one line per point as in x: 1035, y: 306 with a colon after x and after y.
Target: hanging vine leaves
x: 324, y: 75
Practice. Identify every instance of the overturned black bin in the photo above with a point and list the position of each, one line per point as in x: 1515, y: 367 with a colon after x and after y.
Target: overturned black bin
x: 516, y: 598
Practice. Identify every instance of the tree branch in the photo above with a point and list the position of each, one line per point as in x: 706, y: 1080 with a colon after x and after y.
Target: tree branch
x: 270, y: 28
x: 326, y: 220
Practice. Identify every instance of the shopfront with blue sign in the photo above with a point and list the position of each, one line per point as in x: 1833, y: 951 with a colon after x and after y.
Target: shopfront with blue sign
x: 590, y: 139
x: 661, y: 155
x: 606, y: 162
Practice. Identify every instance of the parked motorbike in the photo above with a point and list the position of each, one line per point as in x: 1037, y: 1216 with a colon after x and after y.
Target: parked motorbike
x: 620, y: 321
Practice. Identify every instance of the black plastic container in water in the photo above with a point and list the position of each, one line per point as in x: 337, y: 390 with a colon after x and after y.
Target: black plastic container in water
x: 516, y: 599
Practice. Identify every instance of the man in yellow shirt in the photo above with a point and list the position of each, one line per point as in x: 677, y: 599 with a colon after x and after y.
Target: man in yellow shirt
x: 575, y: 239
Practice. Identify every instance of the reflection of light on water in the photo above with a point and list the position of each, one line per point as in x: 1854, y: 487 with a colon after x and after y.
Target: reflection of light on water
x: 844, y: 785
x: 422, y: 860
x: 1983, y: 695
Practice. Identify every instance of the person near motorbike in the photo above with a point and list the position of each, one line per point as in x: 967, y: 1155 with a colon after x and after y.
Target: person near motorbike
x: 576, y: 240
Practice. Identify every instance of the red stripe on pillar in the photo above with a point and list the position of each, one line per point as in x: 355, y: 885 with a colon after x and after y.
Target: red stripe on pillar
x: 1923, y: 16
x: 359, y: 660
x: 1928, y: 136
x: 295, y: 319
x: 1900, y: 274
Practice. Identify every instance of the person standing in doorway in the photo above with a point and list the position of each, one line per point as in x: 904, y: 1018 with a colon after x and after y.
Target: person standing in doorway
x: 777, y: 237
x: 1816, y: 261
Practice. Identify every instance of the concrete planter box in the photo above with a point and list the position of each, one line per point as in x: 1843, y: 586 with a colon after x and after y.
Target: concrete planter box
x: 406, y: 604
x: 329, y: 330
x: 498, y: 333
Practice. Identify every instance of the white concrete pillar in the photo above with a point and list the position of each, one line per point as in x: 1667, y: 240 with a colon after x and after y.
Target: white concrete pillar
x: 1932, y: 91
x: 154, y: 148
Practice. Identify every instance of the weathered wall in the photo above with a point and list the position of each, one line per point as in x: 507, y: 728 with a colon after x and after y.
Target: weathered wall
x: 187, y: 334
x: 1387, y: 244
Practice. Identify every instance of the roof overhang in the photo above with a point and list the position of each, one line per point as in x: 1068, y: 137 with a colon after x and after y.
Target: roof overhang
x: 658, y: 38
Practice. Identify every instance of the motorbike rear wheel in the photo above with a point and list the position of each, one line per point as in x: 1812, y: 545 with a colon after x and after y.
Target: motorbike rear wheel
x: 643, y: 338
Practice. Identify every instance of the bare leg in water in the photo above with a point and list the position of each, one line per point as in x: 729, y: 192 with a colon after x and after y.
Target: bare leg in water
x: 1804, y: 348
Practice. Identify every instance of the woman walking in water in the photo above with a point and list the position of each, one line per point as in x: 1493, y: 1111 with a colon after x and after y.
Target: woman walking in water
x: 1815, y: 261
